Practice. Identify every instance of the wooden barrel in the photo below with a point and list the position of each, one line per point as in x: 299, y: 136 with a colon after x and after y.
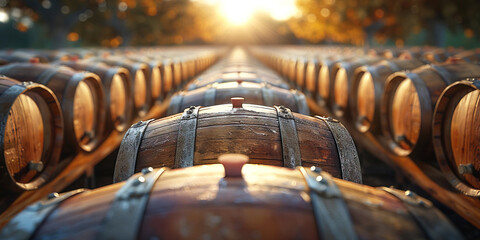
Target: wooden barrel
x: 21, y: 56
x: 439, y: 55
x: 154, y: 74
x: 177, y: 72
x: 471, y: 56
x: 367, y: 89
x: 343, y: 73
x: 81, y: 96
x: 233, y: 76
x: 274, y: 136
x: 325, y: 79
x: 300, y: 72
x: 167, y: 76
x: 31, y: 135
x: 235, y: 201
x: 312, y: 69
x: 407, y: 106
x: 142, y: 97
x: 456, y: 135
x: 116, y: 82
x: 254, y: 93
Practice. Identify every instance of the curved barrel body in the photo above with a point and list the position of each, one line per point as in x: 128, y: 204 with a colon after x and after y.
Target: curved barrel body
x: 343, y: 74
x: 142, y: 97
x: 367, y: 89
x: 81, y: 96
x: 31, y: 135
x: 408, y: 102
x: 116, y: 81
x: 254, y: 93
x: 273, y: 136
x: 456, y: 137
x: 264, y: 202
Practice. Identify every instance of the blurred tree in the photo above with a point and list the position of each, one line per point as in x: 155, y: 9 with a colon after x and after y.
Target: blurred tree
x: 361, y: 21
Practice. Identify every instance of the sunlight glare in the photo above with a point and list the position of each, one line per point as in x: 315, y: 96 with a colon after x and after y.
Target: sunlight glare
x: 238, y: 12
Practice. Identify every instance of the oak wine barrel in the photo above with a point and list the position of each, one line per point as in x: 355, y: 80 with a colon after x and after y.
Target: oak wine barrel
x: 21, y: 57
x: 439, y: 55
x: 254, y: 93
x: 154, y: 68
x: 31, y: 135
x: 235, y: 201
x: 142, y: 97
x: 300, y: 72
x: 269, y: 135
x: 325, y: 79
x: 116, y: 82
x: 367, y: 88
x: 456, y: 135
x: 471, y: 56
x: 343, y: 74
x: 233, y: 76
x: 81, y: 96
x: 408, y: 102
x: 312, y: 68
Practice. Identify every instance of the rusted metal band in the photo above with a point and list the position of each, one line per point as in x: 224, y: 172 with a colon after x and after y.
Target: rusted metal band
x: 25, y: 224
x: 187, y: 131
x: 125, y: 215
x: 209, y: 95
x: 175, y: 103
x: 347, y: 152
x: 330, y: 210
x: 301, y: 102
x: 288, y: 134
x: 433, y: 223
x: 267, y: 95
x: 128, y: 151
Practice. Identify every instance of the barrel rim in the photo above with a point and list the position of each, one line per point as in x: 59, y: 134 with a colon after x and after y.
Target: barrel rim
x: 438, y: 138
x: 392, y: 83
x: 68, y: 104
x: 56, y: 139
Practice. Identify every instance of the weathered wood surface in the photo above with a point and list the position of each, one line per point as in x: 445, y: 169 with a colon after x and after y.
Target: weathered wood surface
x: 81, y: 96
x: 467, y: 207
x: 31, y: 125
x: 367, y: 88
x: 253, y: 93
x: 117, y: 84
x: 252, y: 130
x: 266, y: 202
x: 456, y: 135
x: 408, y: 102
x: 79, y: 164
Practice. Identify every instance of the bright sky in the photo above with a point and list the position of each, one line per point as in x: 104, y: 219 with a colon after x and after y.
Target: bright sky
x: 238, y: 12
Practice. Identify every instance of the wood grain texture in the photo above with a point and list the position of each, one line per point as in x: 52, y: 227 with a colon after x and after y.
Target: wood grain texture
x: 465, y: 134
x: 428, y: 83
x: 253, y: 93
x: 252, y: 130
x: 24, y: 137
x: 32, y: 135
x: 467, y: 207
x: 77, y: 166
x: 66, y: 83
x: 117, y: 84
x: 455, y: 135
x: 267, y: 202
x: 367, y: 89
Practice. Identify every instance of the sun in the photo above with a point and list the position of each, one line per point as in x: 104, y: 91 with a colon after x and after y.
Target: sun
x: 239, y: 12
